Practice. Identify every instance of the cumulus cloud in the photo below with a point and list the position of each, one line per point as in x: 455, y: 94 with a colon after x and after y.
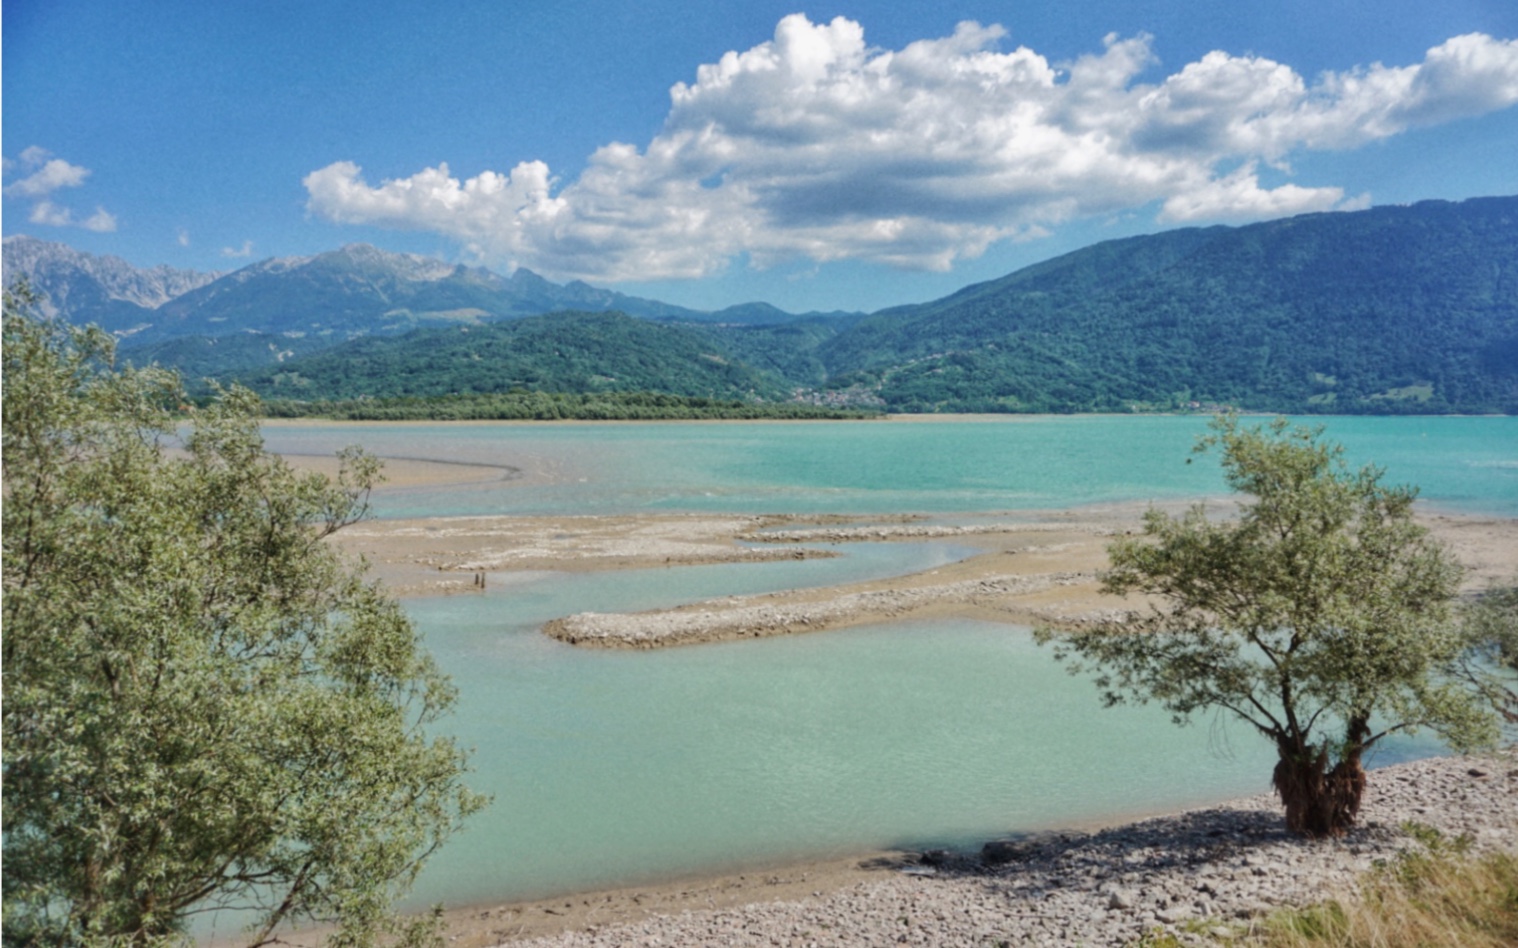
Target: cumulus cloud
x: 46, y: 175
x: 246, y: 250
x: 52, y: 215
x: 814, y: 145
x: 51, y: 176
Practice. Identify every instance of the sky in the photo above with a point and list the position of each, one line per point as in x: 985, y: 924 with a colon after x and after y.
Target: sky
x: 847, y: 156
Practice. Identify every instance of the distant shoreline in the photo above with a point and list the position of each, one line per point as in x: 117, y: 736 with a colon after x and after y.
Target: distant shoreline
x: 912, y: 418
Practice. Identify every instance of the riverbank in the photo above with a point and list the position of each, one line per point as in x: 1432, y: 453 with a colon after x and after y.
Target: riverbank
x: 579, y: 544
x: 1034, y: 567
x: 1205, y: 870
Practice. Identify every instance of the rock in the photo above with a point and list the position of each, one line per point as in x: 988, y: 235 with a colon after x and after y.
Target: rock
x: 1120, y: 899
x: 1001, y: 851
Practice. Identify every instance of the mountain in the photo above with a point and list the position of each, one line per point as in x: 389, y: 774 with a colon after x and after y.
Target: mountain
x: 1392, y: 309
x: 359, y: 290
x: 560, y: 352
x: 84, y: 288
x: 223, y: 324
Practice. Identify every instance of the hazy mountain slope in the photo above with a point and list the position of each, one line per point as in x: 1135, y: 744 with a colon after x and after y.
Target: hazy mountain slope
x: 790, y: 350
x: 360, y: 290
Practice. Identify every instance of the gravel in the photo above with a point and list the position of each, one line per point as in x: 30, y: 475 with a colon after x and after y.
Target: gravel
x: 1188, y: 873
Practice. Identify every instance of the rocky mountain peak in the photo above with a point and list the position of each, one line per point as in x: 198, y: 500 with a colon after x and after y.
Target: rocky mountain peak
x: 65, y: 276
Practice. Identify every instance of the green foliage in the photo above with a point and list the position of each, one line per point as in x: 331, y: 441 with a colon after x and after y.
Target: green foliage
x: 562, y: 352
x: 1490, y: 663
x: 1321, y: 616
x: 1391, y: 310
x: 205, y: 706
x: 552, y: 406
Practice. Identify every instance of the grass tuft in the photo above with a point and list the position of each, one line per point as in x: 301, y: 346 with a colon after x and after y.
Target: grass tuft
x: 1436, y: 897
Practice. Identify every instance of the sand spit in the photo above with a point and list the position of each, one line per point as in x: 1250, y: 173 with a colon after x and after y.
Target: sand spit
x: 1203, y: 872
x: 876, y: 532
x: 410, y: 555
x: 430, y: 556
x: 786, y: 613
x: 1046, y: 572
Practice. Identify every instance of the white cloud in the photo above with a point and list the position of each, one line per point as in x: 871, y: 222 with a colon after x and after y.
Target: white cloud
x: 101, y: 222
x: 46, y: 212
x: 182, y: 236
x: 48, y: 175
x: 52, y: 215
x: 816, y: 146
x: 246, y: 250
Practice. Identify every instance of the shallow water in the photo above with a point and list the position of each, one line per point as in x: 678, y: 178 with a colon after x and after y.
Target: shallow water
x: 617, y: 767
x: 1013, y: 463
x: 614, y: 767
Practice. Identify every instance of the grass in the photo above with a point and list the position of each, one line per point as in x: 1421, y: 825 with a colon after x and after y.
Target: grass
x: 1435, y: 897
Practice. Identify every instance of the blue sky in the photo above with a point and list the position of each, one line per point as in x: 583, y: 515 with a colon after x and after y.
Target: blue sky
x: 847, y: 156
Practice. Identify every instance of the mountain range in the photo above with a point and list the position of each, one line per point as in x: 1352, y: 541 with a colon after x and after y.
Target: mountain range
x: 1392, y: 309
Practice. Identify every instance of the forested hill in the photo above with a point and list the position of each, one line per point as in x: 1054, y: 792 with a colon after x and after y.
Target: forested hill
x: 1386, y: 310
x: 560, y: 352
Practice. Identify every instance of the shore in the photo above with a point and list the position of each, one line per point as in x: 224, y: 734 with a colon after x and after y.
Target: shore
x: 1212, y: 869
x: 1216, y: 866
x: 1034, y: 567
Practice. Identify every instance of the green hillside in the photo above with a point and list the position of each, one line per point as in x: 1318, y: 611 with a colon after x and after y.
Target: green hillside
x: 561, y: 352
x: 1389, y: 310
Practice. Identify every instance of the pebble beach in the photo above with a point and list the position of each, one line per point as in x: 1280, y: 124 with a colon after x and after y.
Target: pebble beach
x: 1200, y: 873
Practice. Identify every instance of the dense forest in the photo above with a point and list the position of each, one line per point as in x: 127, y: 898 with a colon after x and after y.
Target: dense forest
x: 1396, y: 309
x: 561, y: 352
x: 555, y: 406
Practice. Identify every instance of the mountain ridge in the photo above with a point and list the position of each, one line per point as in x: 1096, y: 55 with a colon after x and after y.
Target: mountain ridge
x: 1391, y: 309
x: 355, y: 290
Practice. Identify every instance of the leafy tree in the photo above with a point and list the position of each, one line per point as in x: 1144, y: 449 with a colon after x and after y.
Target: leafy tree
x: 1321, y: 616
x: 1490, y: 663
x: 205, y: 707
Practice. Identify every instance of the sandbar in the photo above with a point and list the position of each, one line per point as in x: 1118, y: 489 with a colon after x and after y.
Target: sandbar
x: 1032, y: 568
x: 1029, y: 567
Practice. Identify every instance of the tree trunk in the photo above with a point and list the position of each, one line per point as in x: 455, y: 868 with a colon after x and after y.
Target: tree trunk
x: 1320, y: 801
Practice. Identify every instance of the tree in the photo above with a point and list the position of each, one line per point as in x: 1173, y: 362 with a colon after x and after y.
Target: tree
x: 205, y: 707
x: 1321, y: 617
x: 1489, y: 666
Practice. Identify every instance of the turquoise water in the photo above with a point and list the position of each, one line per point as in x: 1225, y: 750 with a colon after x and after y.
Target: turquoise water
x: 612, y: 768
x: 885, y: 467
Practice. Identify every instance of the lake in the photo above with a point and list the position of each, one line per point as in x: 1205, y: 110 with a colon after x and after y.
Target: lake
x: 613, y: 768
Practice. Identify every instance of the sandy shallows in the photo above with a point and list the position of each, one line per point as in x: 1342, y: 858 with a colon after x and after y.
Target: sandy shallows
x: 1033, y: 568
x: 1039, y: 573
x: 452, y: 554
x: 445, y: 554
